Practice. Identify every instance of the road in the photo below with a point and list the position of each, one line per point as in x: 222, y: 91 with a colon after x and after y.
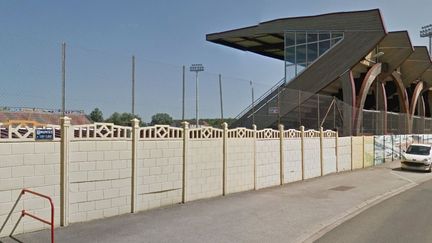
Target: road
x: 406, y: 217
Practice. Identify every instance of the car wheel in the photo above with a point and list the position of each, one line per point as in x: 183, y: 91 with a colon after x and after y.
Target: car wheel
x: 430, y: 169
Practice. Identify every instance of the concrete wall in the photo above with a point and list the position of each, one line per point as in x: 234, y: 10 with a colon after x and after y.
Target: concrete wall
x: 344, y: 153
x: 368, y: 151
x: 357, y: 152
x: 312, y: 165
x: 240, y: 164
x: 101, y: 157
x: 292, y: 160
x: 160, y: 165
x: 31, y: 165
x: 329, y: 155
x: 100, y: 179
x: 268, y: 162
x: 204, y: 168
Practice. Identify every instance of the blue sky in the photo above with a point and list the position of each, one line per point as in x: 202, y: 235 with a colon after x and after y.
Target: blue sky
x: 163, y: 35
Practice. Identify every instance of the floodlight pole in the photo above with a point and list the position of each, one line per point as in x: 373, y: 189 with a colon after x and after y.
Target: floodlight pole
x: 426, y: 31
x: 196, y: 68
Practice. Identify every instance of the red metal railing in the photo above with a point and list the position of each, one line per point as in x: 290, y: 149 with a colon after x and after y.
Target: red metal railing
x: 24, y: 213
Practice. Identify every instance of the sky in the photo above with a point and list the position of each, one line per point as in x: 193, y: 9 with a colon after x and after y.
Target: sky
x: 101, y: 36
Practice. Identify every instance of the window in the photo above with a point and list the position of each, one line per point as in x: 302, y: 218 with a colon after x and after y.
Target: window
x: 303, y: 48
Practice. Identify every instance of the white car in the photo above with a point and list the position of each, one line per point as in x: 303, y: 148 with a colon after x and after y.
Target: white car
x: 417, y: 157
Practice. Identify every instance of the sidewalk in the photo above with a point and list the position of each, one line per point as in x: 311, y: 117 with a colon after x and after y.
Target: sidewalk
x: 291, y: 213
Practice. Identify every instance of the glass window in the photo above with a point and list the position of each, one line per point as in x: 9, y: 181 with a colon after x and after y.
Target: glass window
x: 300, y: 67
x: 334, y: 41
x: 290, y: 55
x: 312, y: 37
x: 289, y: 38
x: 324, y: 36
x: 312, y: 52
x: 290, y: 72
x: 301, y: 54
x: 323, y: 46
x: 337, y: 34
x: 419, y: 150
x: 301, y: 38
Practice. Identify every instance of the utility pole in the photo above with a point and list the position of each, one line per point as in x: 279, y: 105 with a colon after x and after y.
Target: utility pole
x: 63, y: 78
x: 133, y: 85
x: 221, y: 97
x: 253, y: 103
x: 183, y: 99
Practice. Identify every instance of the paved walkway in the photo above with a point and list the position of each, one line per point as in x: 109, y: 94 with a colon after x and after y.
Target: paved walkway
x: 291, y: 213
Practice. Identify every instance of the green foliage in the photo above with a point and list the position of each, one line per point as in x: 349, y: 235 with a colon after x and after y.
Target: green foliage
x: 124, y: 119
x: 96, y: 115
x: 161, y: 119
x: 218, y: 122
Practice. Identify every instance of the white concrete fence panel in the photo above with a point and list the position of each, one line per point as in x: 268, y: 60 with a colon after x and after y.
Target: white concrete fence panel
x: 102, y: 170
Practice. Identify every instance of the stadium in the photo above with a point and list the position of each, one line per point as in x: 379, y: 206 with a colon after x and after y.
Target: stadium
x: 343, y: 71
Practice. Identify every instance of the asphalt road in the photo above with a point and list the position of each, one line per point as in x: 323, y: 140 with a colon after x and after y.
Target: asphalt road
x: 406, y: 217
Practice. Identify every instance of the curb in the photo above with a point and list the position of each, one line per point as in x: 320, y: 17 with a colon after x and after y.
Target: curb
x: 329, y: 225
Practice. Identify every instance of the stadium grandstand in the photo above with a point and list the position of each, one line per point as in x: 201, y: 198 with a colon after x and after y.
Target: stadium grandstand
x: 343, y: 71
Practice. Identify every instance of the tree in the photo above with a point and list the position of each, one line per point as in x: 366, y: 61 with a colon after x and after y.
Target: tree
x: 96, y: 115
x: 123, y: 119
x: 161, y: 119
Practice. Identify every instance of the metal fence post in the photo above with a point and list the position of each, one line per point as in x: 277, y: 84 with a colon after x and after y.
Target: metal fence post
x: 134, y: 174
x: 64, y: 170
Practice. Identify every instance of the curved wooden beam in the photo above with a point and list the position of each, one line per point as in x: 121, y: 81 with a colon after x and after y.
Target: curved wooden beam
x: 403, y: 96
x: 371, y: 75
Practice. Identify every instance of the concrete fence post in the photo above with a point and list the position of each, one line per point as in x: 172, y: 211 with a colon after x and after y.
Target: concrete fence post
x: 224, y: 158
x: 282, y: 156
x: 185, y: 152
x: 302, y: 150
x: 352, y: 157
x: 363, y: 150
x: 254, y: 127
x: 66, y: 134
x: 134, y: 174
x: 321, y: 151
x: 336, y: 151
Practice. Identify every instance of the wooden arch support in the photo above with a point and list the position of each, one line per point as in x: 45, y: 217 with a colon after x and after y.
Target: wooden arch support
x: 371, y: 75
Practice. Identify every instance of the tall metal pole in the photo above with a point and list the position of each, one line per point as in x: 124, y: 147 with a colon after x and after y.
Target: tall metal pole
x: 183, y: 99
x: 221, y: 97
x: 133, y: 85
x: 196, y: 100
x: 430, y: 45
x: 253, y: 103
x: 63, y: 78
x: 196, y: 68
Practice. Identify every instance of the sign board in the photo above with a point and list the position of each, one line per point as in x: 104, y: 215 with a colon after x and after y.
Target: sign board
x: 273, y: 110
x: 44, y: 134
